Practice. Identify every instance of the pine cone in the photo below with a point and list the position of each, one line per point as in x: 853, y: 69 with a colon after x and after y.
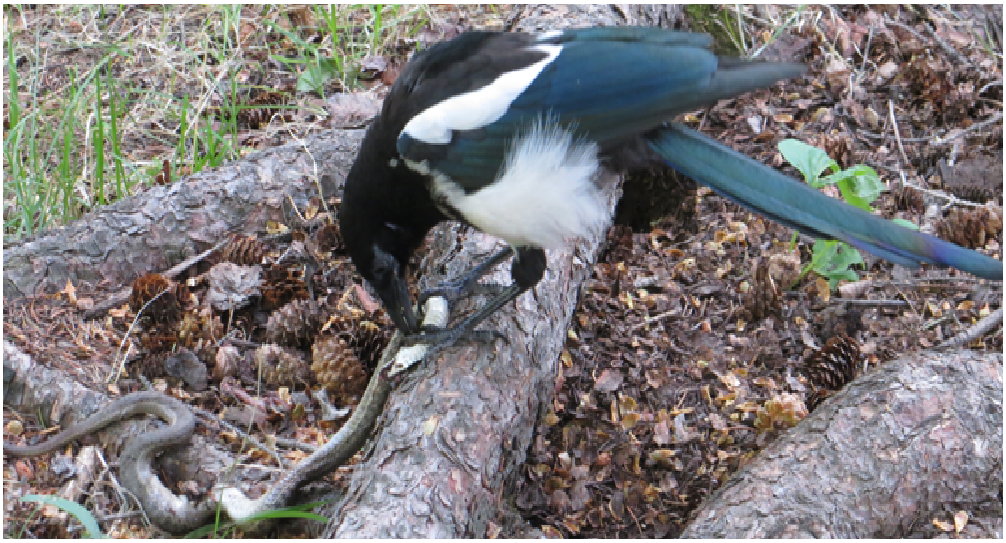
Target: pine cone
x: 295, y: 323
x: 280, y: 286
x: 243, y: 251
x: 150, y: 286
x: 281, y: 367
x: 909, y: 199
x: 254, y: 117
x: 763, y: 296
x: 369, y: 342
x: 337, y: 368
x: 367, y: 336
x: 329, y: 238
x: 835, y: 365
x: 150, y: 365
x: 971, y: 227
x: 978, y: 193
x: 158, y: 338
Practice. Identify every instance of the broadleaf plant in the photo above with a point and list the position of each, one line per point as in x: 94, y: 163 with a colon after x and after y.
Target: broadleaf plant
x: 859, y: 186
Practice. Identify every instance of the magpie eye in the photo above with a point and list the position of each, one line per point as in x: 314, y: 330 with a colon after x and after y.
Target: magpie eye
x: 384, y: 265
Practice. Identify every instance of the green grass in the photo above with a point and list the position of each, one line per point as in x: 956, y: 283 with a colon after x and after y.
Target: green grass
x: 721, y: 24
x: 96, y: 98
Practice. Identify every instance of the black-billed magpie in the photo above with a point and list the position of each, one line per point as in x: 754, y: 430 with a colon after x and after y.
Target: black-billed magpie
x: 506, y: 132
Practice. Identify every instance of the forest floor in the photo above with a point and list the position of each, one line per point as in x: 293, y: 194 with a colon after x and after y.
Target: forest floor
x: 697, y: 341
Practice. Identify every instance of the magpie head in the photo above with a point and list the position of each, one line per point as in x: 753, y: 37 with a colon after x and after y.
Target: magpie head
x: 381, y: 254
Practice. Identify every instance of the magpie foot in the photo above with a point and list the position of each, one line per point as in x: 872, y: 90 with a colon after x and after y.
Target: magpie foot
x: 465, y: 287
x: 468, y: 284
x: 442, y: 338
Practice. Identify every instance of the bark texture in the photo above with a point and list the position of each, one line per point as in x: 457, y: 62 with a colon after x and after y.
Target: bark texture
x: 917, y: 440
x: 454, y: 434
x: 166, y: 224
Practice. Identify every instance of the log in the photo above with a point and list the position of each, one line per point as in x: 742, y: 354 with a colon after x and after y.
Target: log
x: 917, y: 440
x: 163, y: 225
x: 455, y: 434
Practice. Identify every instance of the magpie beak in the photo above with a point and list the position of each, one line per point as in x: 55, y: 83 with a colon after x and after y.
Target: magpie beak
x: 390, y: 280
x: 507, y: 132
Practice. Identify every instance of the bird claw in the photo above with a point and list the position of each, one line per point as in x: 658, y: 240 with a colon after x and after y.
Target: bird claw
x: 468, y: 284
x: 462, y: 288
x: 443, y: 338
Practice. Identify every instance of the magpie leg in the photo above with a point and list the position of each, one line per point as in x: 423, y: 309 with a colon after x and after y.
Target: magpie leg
x: 445, y: 337
x: 528, y: 268
x: 468, y: 284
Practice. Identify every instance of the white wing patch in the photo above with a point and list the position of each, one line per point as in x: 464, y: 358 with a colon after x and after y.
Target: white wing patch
x: 477, y: 108
x: 548, y: 35
x: 546, y: 192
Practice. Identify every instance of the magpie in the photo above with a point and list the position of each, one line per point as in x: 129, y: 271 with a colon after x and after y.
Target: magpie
x: 506, y: 132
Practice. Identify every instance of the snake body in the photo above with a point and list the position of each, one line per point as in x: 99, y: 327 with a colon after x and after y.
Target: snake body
x: 176, y: 514
x: 172, y: 513
x: 344, y: 444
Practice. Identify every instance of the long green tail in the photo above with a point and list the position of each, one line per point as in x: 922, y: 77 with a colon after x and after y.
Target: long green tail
x: 800, y: 206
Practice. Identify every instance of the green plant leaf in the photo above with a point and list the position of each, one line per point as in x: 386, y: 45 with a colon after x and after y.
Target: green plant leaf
x: 91, y: 529
x: 833, y: 260
x: 314, y: 77
x: 811, y: 161
x: 906, y: 224
x: 293, y: 511
x: 204, y: 531
x: 860, y: 185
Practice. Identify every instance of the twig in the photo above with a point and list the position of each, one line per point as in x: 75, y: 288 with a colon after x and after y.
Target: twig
x: 315, y: 178
x: 126, y: 497
x: 294, y: 444
x: 869, y: 303
x: 977, y: 126
x: 122, y: 296
x: 866, y: 50
x: 121, y: 365
x: 888, y: 20
x: 987, y: 86
x: 655, y: 318
x: 210, y: 416
x: 976, y: 331
x: 328, y: 411
x: 951, y: 199
x: 957, y: 57
x: 897, y: 131
x: 928, y: 282
x: 874, y: 136
x: 905, y: 298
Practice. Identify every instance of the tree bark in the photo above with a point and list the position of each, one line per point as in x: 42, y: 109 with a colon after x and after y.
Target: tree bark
x: 164, y: 225
x: 917, y: 440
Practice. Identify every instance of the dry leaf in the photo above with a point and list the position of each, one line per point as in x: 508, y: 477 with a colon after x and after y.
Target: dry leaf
x: 609, y: 381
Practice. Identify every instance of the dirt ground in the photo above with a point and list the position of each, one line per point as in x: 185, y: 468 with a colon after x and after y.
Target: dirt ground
x: 697, y: 340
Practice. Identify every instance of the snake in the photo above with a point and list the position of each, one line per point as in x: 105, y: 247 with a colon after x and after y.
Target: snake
x: 349, y: 439
x: 172, y: 513
x: 176, y: 514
